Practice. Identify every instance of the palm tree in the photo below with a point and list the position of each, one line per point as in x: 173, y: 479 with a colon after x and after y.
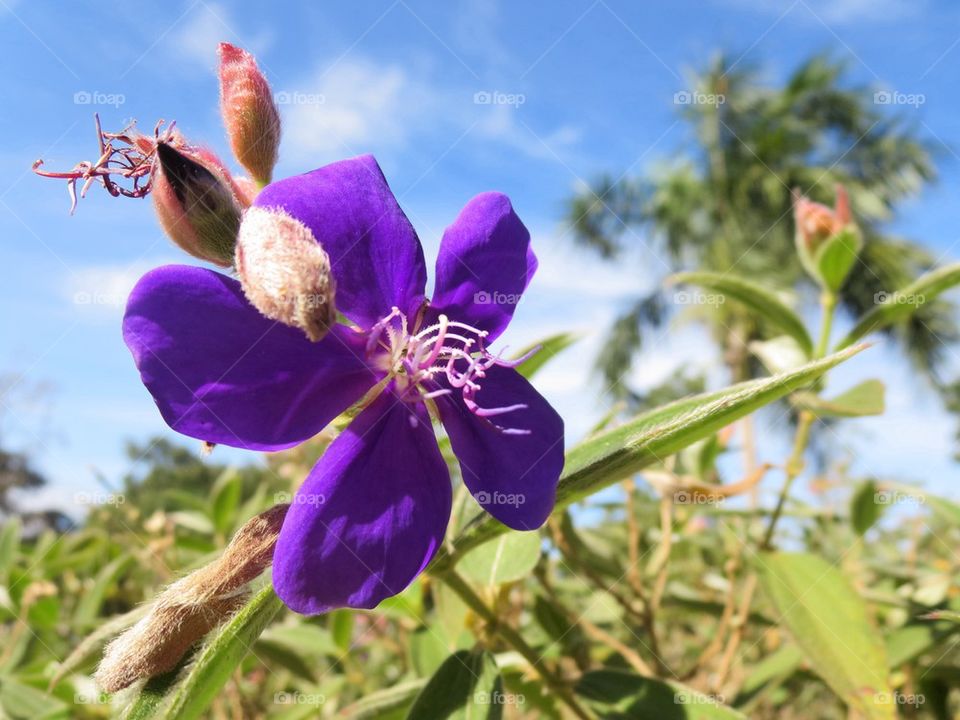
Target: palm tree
x: 725, y: 205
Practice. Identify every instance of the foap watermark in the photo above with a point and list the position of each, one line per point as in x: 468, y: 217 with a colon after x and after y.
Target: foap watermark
x: 498, y: 698
x: 685, y: 97
x: 295, y: 97
x: 95, y: 297
x: 311, y: 301
x: 496, y: 298
x: 485, y: 498
x: 298, y: 698
x: 898, y: 298
x: 86, y: 97
x: 693, y: 698
x: 689, y: 497
x: 496, y: 97
x: 894, y: 97
x: 899, y: 698
x: 93, y: 698
x: 99, y: 498
x: 312, y: 499
x: 896, y: 497
x: 696, y: 297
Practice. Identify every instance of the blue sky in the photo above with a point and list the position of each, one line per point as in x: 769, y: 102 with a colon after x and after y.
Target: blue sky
x: 577, y: 88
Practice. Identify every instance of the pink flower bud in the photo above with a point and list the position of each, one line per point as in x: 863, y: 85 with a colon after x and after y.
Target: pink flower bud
x: 249, y: 113
x: 815, y: 222
x: 198, y: 203
x: 284, y: 272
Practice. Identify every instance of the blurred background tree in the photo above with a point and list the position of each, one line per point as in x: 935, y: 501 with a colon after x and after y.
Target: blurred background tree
x: 725, y: 205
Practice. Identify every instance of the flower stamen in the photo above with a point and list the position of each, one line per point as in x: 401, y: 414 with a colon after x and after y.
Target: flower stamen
x: 449, y: 348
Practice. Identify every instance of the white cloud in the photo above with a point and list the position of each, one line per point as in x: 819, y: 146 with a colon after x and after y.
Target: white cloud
x: 198, y: 35
x: 102, y: 290
x: 358, y: 105
x: 501, y: 123
x: 352, y: 107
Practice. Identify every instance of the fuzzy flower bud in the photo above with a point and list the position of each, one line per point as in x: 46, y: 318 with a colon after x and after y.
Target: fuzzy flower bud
x: 191, y: 607
x: 249, y: 112
x: 816, y: 223
x: 284, y: 272
x: 198, y: 203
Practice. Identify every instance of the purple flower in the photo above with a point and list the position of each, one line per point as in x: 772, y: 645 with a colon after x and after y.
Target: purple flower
x: 373, y: 510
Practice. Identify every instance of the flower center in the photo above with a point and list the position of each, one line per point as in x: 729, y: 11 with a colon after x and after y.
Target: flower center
x: 415, y: 358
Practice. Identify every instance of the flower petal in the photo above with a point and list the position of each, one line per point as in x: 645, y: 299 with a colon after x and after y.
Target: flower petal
x: 222, y: 372
x: 374, y: 252
x: 484, y: 265
x: 514, y: 477
x: 369, y: 517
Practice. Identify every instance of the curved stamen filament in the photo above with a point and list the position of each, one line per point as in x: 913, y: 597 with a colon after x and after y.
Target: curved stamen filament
x: 449, y: 348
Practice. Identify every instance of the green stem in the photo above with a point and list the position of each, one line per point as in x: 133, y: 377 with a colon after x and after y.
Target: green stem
x: 794, y: 467
x: 459, y: 585
x: 828, y: 301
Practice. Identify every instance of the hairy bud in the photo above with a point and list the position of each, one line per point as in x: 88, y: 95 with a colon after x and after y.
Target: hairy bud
x: 284, y: 272
x: 191, y: 607
x: 198, y: 204
x: 249, y: 112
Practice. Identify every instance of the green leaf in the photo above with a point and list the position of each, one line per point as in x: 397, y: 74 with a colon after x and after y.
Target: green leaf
x: 29, y: 703
x: 836, y: 257
x: 614, y: 454
x: 757, y: 298
x: 549, y: 348
x: 946, y: 510
x: 770, y: 671
x: 466, y: 685
x: 899, y: 305
x: 428, y: 650
x: 508, y: 558
x: 864, y: 508
x: 308, y: 640
x: 385, y: 704
x: 779, y: 355
x: 341, y: 627
x: 829, y: 623
x: 866, y: 398
x: 225, y: 501
x: 92, y: 645
x: 151, y: 699
x: 9, y: 543
x: 221, y: 655
x: 88, y: 607
x: 634, y: 696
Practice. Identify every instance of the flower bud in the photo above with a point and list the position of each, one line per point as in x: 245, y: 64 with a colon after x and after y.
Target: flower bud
x: 191, y: 607
x: 249, y: 112
x: 816, y: 223
x: 284, y: 272
x: 198, y: 203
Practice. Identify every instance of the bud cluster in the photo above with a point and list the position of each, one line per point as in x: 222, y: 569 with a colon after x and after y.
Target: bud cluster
x: 205, y: 209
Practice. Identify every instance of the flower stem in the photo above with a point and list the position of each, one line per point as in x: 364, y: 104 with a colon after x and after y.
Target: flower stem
x: 793, y: 468
x: 828, y: 304
x: 459, y: 585
x: 828, y: 301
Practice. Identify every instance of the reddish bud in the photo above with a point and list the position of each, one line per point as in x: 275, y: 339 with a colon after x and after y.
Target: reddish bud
x: 197, y: 202
x: 816, y: 223
x: 284, y: 272
x: 249, y: 112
